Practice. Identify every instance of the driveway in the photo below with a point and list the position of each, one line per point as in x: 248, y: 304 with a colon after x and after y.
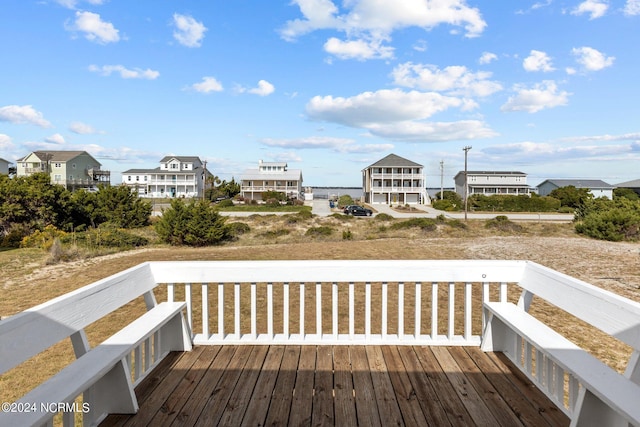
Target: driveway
x: 429, y: 212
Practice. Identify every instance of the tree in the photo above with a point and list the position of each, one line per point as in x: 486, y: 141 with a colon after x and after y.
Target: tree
x: 193, y: 224
x: 626, y: 193
x: 121, y: 207
x: 571, y: 196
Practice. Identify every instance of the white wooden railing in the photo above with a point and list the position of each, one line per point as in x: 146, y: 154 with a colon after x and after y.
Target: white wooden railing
x: 333, y: 303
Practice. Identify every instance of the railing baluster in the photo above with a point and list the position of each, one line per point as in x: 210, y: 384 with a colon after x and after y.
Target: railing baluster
x: 334, y: 310
x: 418, y: 311
x: 528, y: 359
x: 205, y: 310
x: 468, y: 302
x: 254, y: 309
x: 367, y: 311
x: 400, y: 310
x: 285, y: 312
x: 170, y: 292
x: 187, y: 298
x: 574, y: 389
x: 351, y: 310
x: 434, y: 311
x: 221, y: 310
x: 485, y: 298
x: 270, y: 310
x: 503, y: 292
x: 452, y: 310
x: 137, y: 361
x: 319, y: 310
x: 384, y: 308
x: 236, y: 311
x: 147, y: 351
x: 302, y: 311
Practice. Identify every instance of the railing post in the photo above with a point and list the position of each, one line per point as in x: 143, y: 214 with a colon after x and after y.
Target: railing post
x: 418, y: 311
x: 205, y: 310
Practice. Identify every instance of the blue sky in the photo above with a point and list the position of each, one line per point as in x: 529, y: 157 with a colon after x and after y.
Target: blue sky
x: 548, y: 87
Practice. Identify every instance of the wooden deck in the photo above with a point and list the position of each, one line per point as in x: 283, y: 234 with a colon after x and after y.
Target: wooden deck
x: 339, y: 385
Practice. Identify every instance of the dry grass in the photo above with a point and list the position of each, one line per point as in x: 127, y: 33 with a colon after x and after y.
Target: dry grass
x: 27, y: 281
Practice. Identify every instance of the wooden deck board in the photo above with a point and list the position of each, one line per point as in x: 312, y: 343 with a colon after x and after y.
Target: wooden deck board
x: 340, y: 385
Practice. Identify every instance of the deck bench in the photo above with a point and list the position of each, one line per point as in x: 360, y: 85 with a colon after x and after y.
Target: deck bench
x: 105, y: 375
x: 600, y: 383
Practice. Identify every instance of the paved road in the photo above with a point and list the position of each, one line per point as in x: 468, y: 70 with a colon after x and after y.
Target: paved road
x: 321, y: 208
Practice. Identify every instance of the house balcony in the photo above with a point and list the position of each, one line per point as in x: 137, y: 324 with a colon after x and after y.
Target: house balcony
x: 263, y: 188
x: 397, y: 189
x: 329, y: 342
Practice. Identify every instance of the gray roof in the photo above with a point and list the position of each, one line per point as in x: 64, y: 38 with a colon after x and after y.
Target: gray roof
x: 183, y: 159
x: 578, y: 183
x: 629, y: 184
x: 393, y: 160
x: 494, y: 173
x: 58, y: 156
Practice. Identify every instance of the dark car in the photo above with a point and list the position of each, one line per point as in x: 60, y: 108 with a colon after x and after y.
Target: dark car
x: 359, y: 211
x: 347, y: 209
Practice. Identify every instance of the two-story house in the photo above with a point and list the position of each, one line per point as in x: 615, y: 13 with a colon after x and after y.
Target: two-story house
x: 72, y: 169
x: 4, y: 166
x: 492, y: 182
x: 271, y: 176
x: 596, y: 187
x: 177, y: 176
x: 394, y: 180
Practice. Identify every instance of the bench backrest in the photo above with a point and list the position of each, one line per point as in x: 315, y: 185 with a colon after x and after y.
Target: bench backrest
x: 34, y: 330
x: 611, y: 313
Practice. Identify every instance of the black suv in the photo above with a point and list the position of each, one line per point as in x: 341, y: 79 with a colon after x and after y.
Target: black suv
x: 358, y: 211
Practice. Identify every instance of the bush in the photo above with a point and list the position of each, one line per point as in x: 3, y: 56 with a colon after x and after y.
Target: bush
x: 347, y: 235
x: 43, y: 239
x: 226, y: 203
x: 195, y: 224
x: 345, y: 200
x: 510, y: 203
x: 14, y: 235
x: 503, y: 223
x: 383, y: 217
x: 425, y: 224
x: 238, y: 228
x: 614, y: 221
x: 445, y: 205
x: 272, y: 234
x: 322, y: 231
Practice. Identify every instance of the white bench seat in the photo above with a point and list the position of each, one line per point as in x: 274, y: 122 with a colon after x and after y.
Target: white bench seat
x: 104, y: 369
x: 600, y: 383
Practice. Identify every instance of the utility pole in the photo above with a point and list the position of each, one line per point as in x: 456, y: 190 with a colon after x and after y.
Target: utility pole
x: 466, y: 185
x: 204, y: 181
x: 441, y: 179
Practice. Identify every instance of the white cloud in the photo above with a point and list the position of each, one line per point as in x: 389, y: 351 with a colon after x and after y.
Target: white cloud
x: 94, y: 28
x: 379, y: 107
x: 56, y: 138
x: 5, y: 142
x: 125, y: 73
x: 457, y: 80
x: 632, y: 8
x: 539, y: 97
x: 339, y: 145
x: 592, y: 59
x: 82, y: 128
x: 418, y: 131
x: 595, y: 8
x: 358, y: 49
x: 208, y: 85
x: 369, y: 22
x: 264, y: 88
x: 537, y: 61
x: 24, y: 114
x: 71, y: 4
x: 487, y: 57
x: 189, y: 32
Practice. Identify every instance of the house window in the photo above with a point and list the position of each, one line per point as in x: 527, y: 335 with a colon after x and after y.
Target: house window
x: 291, y: 184
x: 137, y: 178
x: 128, y: 177
x: 174, y: 166
x: 57, y: 177
x: 57, y: 165
x: 145, y: 178
x: 73, y: 165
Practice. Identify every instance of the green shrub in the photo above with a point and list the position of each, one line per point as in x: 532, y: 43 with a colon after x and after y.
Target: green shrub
x: 345, y: 200
x: 615, y: 224
x: 226, y: 203
x: 425, y: 224
x: 383, y: 217
x: 347, y: 235
x: 503, y: 223
x: 511, y: 203
x: 238, y: 228
x: 193, y: 224
x: 272, y: 234
x: 445, y: 205
x: 322, y: 231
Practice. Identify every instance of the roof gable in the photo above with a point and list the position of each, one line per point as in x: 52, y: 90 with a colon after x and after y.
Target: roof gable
x: 393, y: 160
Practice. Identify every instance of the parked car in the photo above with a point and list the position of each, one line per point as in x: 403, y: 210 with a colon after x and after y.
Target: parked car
x: 359, y: 211
x: 347, y: 209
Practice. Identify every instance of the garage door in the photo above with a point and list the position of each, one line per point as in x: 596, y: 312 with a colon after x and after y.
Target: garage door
x: 380, y: 198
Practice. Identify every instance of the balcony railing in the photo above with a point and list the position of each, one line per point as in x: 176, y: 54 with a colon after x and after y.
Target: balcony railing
x: 468, y: 303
